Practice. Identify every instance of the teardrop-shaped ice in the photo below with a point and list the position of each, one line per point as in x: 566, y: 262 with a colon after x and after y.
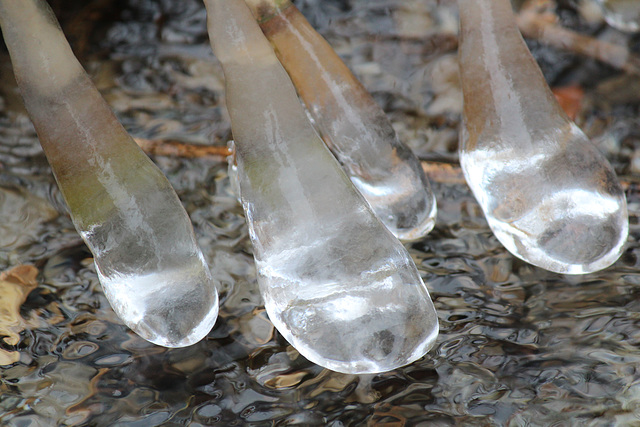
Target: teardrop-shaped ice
x: 549, y: 195
x: 145, y: 252
x: 354, y: 127
x: 336, y: 283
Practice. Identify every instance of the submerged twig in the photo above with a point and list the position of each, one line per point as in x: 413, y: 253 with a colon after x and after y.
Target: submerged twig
x: 180, y: 149
x: 443, y: 173
x: 537, y: 21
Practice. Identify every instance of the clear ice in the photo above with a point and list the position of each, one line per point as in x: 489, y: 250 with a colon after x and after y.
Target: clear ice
x: 354, y: 127
x: 145, y: 251
x: 622, y: 14
x: 548, y: 194
x: 336, y: 283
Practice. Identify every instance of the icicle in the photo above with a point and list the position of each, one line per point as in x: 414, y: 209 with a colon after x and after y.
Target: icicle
x: 145, y: 252
x: 354, y: 127
x: 548, y: 194
x: 336, y: 283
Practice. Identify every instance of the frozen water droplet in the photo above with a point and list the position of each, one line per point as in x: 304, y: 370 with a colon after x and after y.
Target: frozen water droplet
x: 336, y: 283
x: 145, y: 252
x: 354, y: 127
x: 549, y: 195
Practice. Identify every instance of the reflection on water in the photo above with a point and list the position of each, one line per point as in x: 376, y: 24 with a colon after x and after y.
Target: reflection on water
x: 518, y: 345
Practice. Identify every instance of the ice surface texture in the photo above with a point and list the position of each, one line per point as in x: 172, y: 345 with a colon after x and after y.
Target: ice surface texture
x: 549, y: 195
x: 354, y: 127
x: 336, y: 283
x: 144, y: 248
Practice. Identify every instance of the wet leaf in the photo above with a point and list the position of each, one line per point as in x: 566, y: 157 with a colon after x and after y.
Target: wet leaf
x: 15, y: 286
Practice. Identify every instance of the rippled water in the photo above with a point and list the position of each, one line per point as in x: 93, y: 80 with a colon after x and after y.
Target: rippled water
x: 518, y: 345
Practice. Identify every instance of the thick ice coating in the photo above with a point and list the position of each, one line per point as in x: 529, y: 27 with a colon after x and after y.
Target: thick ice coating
x: 145, y: 252
x: 336, y: 283
x: 354, y: 127
x: 549, y: 195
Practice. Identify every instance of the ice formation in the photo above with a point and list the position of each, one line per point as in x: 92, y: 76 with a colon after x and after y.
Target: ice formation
x: 354, y: 127
x: 336, y: 283
x: 145, y: 251
x: 549, y: 195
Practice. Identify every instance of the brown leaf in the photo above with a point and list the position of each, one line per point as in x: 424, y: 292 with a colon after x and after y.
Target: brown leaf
x: 15, y: 286
x: 570, y: 99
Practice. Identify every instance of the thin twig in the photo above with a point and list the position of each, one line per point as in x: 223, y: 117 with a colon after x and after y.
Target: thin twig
x: 180, y: 149
x: 443, y: 173
x: 536, y: 20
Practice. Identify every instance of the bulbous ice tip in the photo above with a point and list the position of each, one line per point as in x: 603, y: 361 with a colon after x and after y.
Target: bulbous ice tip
x: 175, y: 308
x: 566, y: 212
x: 363, y: 342
x: 409, y: 216
x: 580, y: 241
x: 401, y: 198
x: 582, y: 247
x: 178, y: 323
x: 375, y: 329
x: 416, y: 226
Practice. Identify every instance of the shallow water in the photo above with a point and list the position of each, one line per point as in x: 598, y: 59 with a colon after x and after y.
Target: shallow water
x: 518, y: 345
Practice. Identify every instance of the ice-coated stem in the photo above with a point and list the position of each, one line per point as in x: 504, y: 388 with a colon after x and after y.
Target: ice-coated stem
x: 353, y: 125
x: 336, y: 283
x: 144, y: 248
x: 548, y: 194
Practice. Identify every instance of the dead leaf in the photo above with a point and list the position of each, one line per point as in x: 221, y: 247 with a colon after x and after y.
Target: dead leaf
x: 570, y: 99
x: 15, y: 286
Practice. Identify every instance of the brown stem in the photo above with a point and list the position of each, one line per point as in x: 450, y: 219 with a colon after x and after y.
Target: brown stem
x: 180, y: 149
x: 537, y: 22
